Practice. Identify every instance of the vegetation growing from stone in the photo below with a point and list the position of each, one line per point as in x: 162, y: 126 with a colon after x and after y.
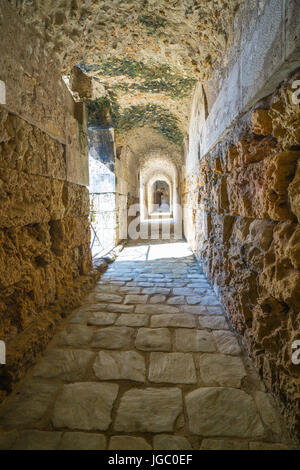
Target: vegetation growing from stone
x: 150, y: 79
x: 162, y: 120
x: 100, y: 111
x: 106, y: 111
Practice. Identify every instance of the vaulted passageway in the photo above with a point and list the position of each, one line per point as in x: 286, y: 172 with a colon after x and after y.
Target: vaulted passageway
x: 170, y: 127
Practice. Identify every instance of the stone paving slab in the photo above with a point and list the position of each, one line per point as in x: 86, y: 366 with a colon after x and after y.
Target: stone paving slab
x: 82, y: 441
x: 37, y: 440
x: 175, y: 368
x: 120, y: 365
x: 28, y: 407
x: 213, y: 322
x: 7, y: 439
x: 220, y: 411
x: 101, y: 318
x: 82, y: 315
x: 120, y: 308
x: 148, y: 361
x: 194, y: 299
x: 84, y: 406
x: 224, y: 444
x: 128, y: 443
x: 155, y: 309
x: 170, y: 320
x: 267, y: 446
x: 108, y: 298
x: 153, y: 339
x: 194, y: 340
x: 194, y: 309
x: 177, y: 300
x: 109, y: 288
x: 136, y: 299
x: 157, y: 299
x: 221, y: 370
x: 75, y: 335
x: 149, y: 410
x: 132, y: 319
x: 156, y: 290
x: 115, y: 337
x: 131, y: 290
x: 169, y: 442
x: 69, y: 365
x: 266, y: 407
x: 227, y: 342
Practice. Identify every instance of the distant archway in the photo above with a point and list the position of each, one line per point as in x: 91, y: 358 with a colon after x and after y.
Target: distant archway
x: 161, y: 196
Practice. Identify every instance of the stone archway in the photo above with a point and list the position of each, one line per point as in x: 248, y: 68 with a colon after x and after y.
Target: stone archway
x: 200, y: 95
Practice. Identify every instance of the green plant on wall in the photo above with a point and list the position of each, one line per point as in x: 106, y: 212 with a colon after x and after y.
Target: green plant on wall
x: 100, y: 111
x: 161, y: 119
x: 136, y: 76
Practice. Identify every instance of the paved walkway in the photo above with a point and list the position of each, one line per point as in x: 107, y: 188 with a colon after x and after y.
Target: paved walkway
x: 148, y: 362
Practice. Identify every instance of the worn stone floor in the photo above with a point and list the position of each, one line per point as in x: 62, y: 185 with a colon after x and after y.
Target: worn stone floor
x: 149, y: 361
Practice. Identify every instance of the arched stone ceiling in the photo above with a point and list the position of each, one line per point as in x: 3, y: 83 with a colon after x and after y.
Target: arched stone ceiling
x: 148, y: 54
x: 158, y: 167
x: 159, y: 177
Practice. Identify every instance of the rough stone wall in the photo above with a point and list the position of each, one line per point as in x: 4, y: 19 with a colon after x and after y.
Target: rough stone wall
x: 243, y: 203
x: 44, y: 232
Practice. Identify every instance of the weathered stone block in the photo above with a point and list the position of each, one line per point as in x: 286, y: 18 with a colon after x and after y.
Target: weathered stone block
x: 221, y: 370
x: 149, y: 410
x: 211, y: 413
x: 260, y: 190
x: 261, y: 122
x: 68, y: 364
x: 194, y: 340
x: 113, y: 337
x: 128, y: 443
x: 37, y: 440
x: 171, y: 442
x: 82, y: 441
x: 173, y: 368
x: 153, y: 339
x: 28, y: 407
x: 85, y: 405
x: 76, y: 200
x: 124, y: 365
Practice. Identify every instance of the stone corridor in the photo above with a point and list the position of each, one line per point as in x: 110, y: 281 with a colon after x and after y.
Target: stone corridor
x: 149, y: 361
